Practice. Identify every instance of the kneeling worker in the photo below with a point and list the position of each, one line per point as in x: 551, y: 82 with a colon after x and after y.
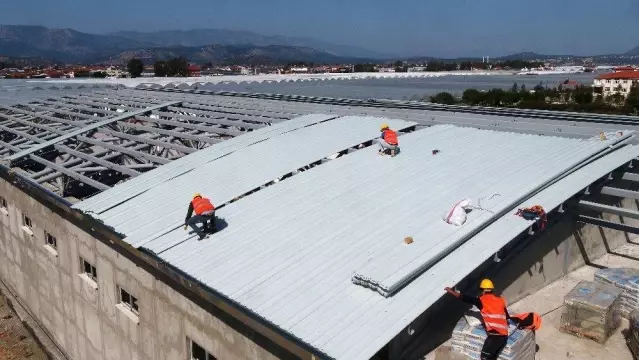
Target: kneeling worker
x: 388, y: 141
x: 204, y: 212
x: 495, y: 318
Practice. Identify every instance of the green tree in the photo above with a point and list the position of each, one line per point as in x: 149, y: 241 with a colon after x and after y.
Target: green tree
x: 135, y: 67
x: 515, y: 88
x: 472, y: 97
x: 583, y: 95
x: 364, y: 68
x: 161, y: 68
x: 443, y: 98
x: 632, y: 101
x: 178, y: 67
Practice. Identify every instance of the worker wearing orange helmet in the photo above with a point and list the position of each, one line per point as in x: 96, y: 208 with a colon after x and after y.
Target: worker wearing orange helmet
x: 388, y: 141
x: 494, y: 315
x: 204, y: 213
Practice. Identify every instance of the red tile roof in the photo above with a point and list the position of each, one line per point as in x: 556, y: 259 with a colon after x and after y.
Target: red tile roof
x: 625, y: 68
x: 621, y: 75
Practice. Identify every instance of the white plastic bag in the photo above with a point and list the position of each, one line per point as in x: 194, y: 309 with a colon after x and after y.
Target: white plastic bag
x: 473, y: 316
x: 457, y: 215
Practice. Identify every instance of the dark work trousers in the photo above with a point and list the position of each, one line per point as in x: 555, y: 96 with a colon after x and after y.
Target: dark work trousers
x: 204, y: 220
x: 493, y: 345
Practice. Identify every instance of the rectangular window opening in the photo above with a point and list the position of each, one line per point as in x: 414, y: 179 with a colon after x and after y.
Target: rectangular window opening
x: 197, y: 352
x: 51, y: 240
x: 26, y: 221
x: 129, y: 301
x: 3, y: 203
x: 89, y: 270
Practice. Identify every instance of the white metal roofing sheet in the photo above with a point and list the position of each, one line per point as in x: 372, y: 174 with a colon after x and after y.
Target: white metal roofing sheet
x: 163, y: 203
x: 133, y: 187
x: 291, y: 259
x: 392, y: 264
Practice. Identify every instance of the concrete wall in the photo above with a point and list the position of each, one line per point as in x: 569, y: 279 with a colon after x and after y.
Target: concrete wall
x: 560, y: 249
x: 83, y: 319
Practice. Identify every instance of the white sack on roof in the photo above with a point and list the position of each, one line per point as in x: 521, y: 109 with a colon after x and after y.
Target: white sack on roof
x: 457, y: 214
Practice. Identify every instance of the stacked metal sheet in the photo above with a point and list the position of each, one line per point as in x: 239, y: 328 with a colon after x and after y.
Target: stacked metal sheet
x: 627, y: 280
x: 591, y: 310
x: 632, y: 339
x: 467, y: 341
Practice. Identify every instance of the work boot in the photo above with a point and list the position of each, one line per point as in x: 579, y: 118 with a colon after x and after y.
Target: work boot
x: 393, y: 153
x: 202, y: 236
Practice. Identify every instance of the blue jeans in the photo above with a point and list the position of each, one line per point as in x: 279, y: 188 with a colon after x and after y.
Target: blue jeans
x: 201, y: 219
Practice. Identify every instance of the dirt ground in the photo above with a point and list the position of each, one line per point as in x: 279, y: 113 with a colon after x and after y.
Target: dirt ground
x: 15, y: 341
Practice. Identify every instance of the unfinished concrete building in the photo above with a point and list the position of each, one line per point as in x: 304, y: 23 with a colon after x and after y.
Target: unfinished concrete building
x: 310, y: 260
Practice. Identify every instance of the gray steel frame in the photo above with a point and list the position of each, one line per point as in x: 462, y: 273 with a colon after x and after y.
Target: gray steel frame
x: 79, y: 137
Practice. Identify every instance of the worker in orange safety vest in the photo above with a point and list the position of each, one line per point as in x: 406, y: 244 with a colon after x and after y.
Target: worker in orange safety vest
x: 388, y: 141
x: 204, y: 213
x: 494, y: 315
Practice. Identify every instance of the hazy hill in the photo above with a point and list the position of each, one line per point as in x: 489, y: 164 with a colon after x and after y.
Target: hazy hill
x: 233, y: 54
x: 65, y: 45
x: 203, y: 37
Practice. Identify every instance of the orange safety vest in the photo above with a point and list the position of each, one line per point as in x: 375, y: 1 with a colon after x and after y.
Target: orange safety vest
x: 493, y: 313
x: 202, y: 205
x: 536, y: 325
x: 390, y: 137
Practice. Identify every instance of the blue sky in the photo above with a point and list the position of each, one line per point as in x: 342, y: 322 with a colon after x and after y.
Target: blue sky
x: 406, y: 27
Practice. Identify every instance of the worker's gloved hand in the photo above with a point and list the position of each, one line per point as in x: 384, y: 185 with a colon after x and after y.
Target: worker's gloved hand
x: 185, y: 227
x: 452, y: 292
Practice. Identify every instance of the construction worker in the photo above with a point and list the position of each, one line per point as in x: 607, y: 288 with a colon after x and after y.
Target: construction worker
x: 388, y: 141
x: 495, y: 318
x: 204, y: 212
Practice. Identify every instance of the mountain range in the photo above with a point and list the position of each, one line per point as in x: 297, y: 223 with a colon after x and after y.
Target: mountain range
x: 200, y: 46
x: 206, y: 45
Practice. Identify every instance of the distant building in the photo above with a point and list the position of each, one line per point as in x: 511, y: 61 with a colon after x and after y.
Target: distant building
x: 194, y: 71
x: 615, y: 82
x: 569, y: 84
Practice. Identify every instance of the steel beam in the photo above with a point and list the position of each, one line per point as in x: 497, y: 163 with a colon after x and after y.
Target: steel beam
x: 209, y: 129
x: 621, y: 193
x: 87, y: 129
x: 50, y: 174
x: 42, y: 116
x: 98, y: 108
x: 607, y: 224
x: 231, y: 119
x: 278, y: 116
x: 210, y: 120
x: 136, y: 154
x: 98, y: 161
x: 588, y: 205
x: 178, y: 134
x: 184, y: 149
x: 69, y: 173
x: 102, y: 104
x: 64, y: 112
x: 631, y: 177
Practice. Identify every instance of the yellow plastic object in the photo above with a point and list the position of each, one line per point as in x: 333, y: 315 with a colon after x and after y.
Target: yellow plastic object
x: 384, y: 126
x: 486, y: 284
x: 196, y: 195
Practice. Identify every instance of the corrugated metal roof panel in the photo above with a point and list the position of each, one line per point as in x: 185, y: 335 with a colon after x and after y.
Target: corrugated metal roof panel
x: 136, y: 186
x: 163, y: 199
x: 300, y: 241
